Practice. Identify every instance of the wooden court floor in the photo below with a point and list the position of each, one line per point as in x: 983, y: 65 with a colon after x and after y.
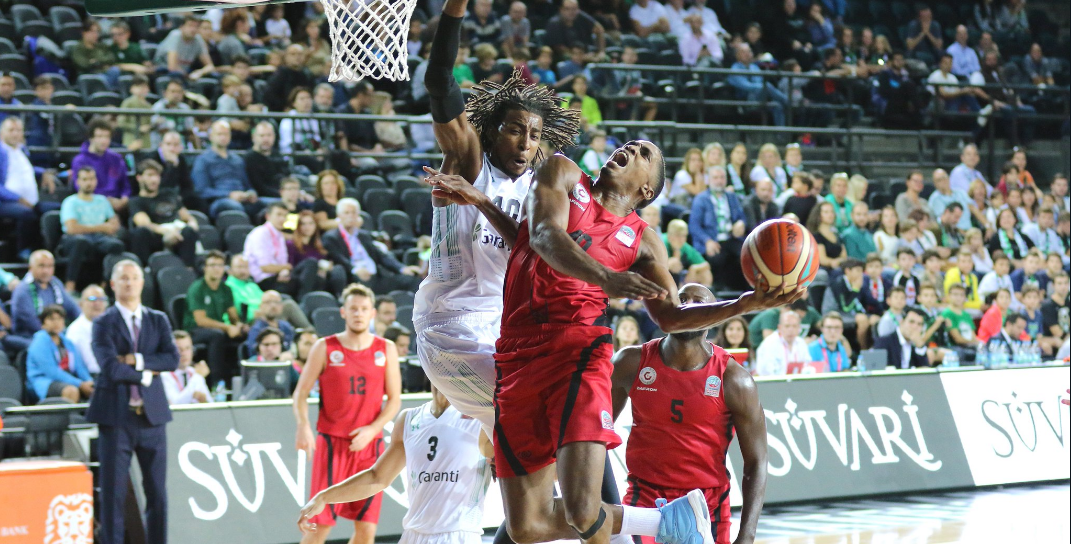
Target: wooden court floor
x: 1038, y: 514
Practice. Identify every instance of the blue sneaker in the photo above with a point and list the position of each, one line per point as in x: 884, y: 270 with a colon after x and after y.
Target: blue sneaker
x: 685, y: 520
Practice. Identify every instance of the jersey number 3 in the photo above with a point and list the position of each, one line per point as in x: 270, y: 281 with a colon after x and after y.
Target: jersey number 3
x: 433, y: 443
x: 357, y: 385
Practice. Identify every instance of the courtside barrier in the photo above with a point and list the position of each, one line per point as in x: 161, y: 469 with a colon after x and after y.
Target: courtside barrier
x: 234, y: 476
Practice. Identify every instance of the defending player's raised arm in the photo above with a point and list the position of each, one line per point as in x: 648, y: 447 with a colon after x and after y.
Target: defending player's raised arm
x: 314, y: 366
x: 548, y: 223
x: 671, y: 316
x: 626, y: 365
x: 456, y: 189
x: 456, y: 136
x: 364, y: 484
x: 749, y: 420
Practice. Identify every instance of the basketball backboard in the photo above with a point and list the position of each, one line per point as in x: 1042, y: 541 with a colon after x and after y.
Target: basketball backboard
x: 116, y: 8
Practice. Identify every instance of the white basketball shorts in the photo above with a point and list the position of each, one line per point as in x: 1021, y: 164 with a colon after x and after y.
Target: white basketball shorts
x: 457, y: 354
x: 454, y: 537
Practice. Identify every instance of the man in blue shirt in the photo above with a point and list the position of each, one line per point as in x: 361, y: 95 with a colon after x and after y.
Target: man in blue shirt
x: 756, y: 88
x: 830, y: 348
x: 89, y: 227
x: 30, y: 297
x: 219, y: 176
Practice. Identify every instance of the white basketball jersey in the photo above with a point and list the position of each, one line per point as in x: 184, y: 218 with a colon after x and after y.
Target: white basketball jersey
x: 447, y: 475
x: 468, y: 256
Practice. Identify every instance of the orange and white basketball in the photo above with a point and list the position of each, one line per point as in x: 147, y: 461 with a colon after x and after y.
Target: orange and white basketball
x: 779, y: 253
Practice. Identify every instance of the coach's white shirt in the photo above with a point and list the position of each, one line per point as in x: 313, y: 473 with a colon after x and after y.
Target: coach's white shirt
x: 774, y: 354
x: 180, y: 385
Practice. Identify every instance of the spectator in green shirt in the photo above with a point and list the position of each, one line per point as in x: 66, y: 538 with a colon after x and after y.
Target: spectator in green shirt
x: 590, y: 114
x: 595, y: 155
x: 858, y: 241
x: 685, y: 263
x: 247, y: 295
x: 838, y: 196
x: 958, y: 323
x: 766, y: 322
x: 89, y: 55
x: 462, y: 72
x: 211, y: 317
x: 128, y: 53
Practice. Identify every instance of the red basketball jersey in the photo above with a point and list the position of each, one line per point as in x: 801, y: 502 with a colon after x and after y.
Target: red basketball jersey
x: 536, y: 294
x: 679, y: 416
x: 352, y: 386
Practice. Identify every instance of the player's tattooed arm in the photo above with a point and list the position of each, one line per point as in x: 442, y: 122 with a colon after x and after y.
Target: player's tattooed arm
x: 364, y: 484
x: 749, y: 420
x: 626, y: 365
x: 548, y: 221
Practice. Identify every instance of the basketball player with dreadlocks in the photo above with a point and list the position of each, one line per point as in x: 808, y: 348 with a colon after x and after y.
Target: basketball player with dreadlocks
x: 582, y: 244
x: 688, y: 399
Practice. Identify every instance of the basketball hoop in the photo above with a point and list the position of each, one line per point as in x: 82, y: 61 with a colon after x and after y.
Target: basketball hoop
x: 369, y: 38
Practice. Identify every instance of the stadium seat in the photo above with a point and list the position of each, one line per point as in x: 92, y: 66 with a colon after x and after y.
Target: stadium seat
x: 328, y: 321
x: 209, y: 235
x: 149, y: 49
x: 7, y: 31
x: 405, y: 317
x: 164, y: 259
x: 90, y: 84
x: 14, y: 63
x: 63, y: 15
x: 64, y: 98
x: 176, y: 310
x: 402, y: 298
x: 24, y: 13
x: 234, y: 238
x: 7, y: 47
x: 72, y: 129
x: 317, y: 299
x: 104, y: 100
x: 403, y: 183
x: 415, y: 201
x: 10, y: 383
x: 37, y: 29
x: 377, y: 201
x: 411, y: 257
x: 201, y: 218
x: 51, y: 229
x: 229, y: 218
x: 68, y: 32
x: 174, y: 281
x: 11, y: 421
x: 396, y: 223
x: 109, y: 262
x: 368, y: 181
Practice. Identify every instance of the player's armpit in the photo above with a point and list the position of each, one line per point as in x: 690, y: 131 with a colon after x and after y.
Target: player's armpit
x: 626, y: 364
x: 462, y: 154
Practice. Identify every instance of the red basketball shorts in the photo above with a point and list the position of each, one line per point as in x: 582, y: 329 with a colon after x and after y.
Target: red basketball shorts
x: 644, y: 495
x: 332, y: 463
x: 552, y: 389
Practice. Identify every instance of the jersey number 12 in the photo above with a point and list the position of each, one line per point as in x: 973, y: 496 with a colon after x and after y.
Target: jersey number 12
x: 357, y: 385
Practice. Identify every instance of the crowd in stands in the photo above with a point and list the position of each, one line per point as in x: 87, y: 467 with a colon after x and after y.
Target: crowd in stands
x: 244, y: 224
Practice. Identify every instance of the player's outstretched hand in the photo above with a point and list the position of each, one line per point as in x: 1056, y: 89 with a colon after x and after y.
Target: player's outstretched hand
x: 633, y: 286
x: 764, y: 300
x: 362, y: 437
x: 454, y: 188
x: 311, y: 510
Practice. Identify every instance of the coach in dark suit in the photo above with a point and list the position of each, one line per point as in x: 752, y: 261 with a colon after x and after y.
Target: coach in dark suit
x: 133, y: 345
x: 900, y: 345
x: 362, y: 259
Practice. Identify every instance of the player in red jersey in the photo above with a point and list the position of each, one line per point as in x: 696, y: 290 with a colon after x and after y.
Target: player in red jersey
x: 688, y: 396
x: 581, y: 245
x: 355, y: 369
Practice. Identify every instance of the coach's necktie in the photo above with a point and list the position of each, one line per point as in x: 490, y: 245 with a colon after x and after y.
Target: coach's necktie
x: 135, y: 389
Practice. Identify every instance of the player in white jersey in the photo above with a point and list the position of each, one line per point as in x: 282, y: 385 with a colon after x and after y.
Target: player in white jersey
x: 444, y: 454
x: 489, y: 148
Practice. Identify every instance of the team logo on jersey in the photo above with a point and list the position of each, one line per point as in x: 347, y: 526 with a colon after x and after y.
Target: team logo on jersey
x: 648, y: 375
x: 380, y: 358
x: 626, y: 236
x: 581, y: 194
x: 208, y: 300
x: 713, y: 388
x: 607, y: 421
x: 336, y: 358
x: 476, y: 230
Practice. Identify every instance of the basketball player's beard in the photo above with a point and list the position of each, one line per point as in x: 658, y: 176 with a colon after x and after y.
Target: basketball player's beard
x: 689, y: 335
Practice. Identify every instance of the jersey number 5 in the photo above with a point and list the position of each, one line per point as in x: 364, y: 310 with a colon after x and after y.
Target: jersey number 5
x: 357, y: 385
x: 433, y: 443
x: 675, y: 409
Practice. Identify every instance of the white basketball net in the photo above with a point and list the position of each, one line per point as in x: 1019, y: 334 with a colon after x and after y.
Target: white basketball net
x: 369, y: 38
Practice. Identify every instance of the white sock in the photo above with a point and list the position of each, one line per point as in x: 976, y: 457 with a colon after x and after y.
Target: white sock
x: 640, y: 521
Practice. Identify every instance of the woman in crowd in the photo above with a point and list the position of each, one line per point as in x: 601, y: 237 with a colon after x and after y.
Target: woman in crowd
x: 820, y: 28
x: 879, y: 54
x: 737, y: 169
x: 389, y: 133
x: 318, y: 59
x: 1009, y: 239
x: 977, y: 191
x: 54, y: 367
x: 235, y: 30
x: 298, y: 132
x: 690, y: 180
x: 713, y: 155
x: 769, y: 166
x: 309, y: 259
x: 887, y: 237
x: 823, y: 224
x: 626, y: 332
x: 732, y: 334
x: 1028, y: 210
x: 975, y: 242
x: 329, y: 190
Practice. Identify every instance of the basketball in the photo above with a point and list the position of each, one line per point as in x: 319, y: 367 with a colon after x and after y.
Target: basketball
x: 779, y: 253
